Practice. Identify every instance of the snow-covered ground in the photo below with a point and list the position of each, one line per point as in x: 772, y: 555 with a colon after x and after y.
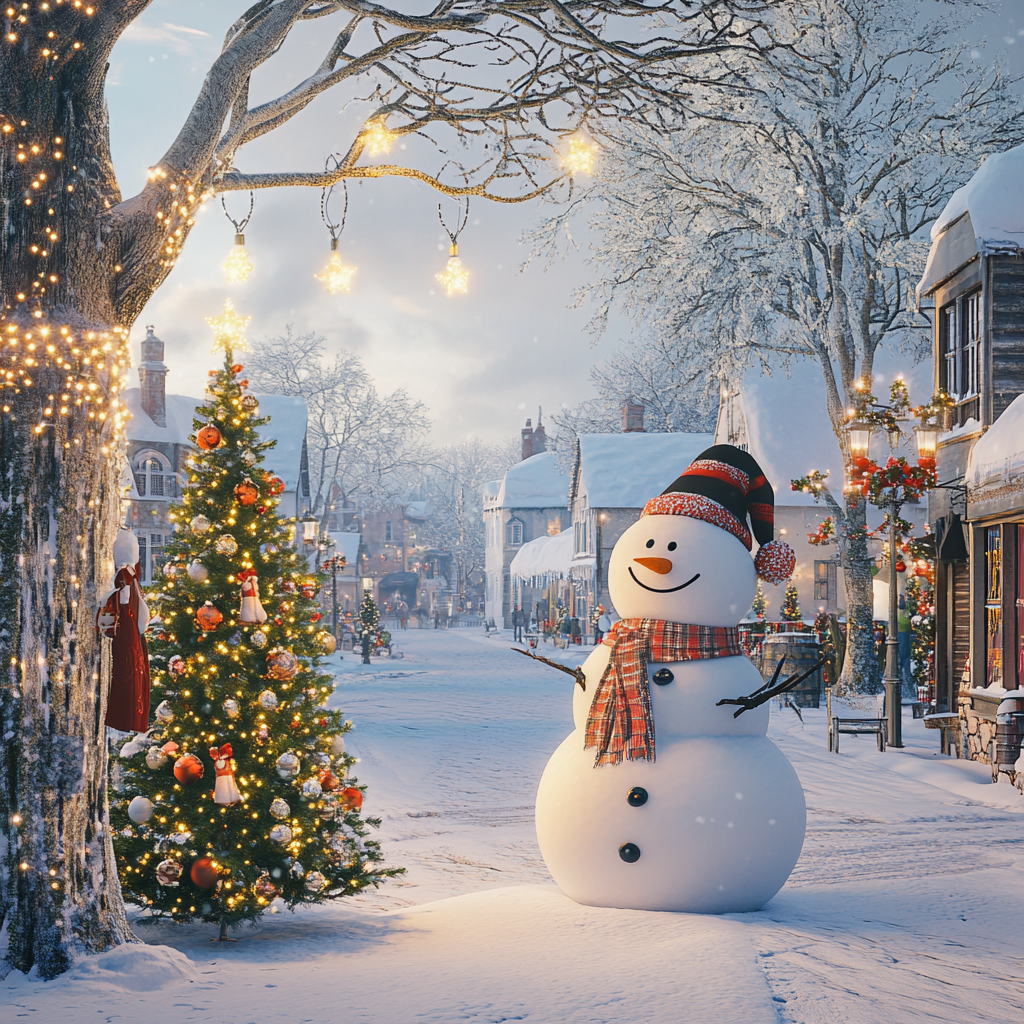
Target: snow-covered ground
x: 907, y: 903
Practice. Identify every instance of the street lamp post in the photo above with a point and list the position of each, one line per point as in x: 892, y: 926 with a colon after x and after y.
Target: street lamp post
x: 365, y: 633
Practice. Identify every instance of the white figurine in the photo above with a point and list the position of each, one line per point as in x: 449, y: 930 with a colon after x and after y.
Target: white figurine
x: 252, y: 610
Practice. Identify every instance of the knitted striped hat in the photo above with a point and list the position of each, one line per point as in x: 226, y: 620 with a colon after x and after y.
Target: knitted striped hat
x: 725, y: 486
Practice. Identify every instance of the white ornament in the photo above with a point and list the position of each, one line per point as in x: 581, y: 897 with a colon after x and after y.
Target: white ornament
x: 252, y: 609
x: 315, y: 881
x: 287, y: 765
x: 231, y: 708
x: 298, y: 870
x: 164, y: 714
x: 155, y: 758
x: 716, y: 823
x: 197, y: 572
x: 226, y: 544
x: 200, y: 524
x: 268, y: 699
x: 279, y: 808
x: 248, y: 458
x: 311, y: 789
x: 258, y: 639
x: 140, y: 810
x: 281, y: 834
x: 337, y: 745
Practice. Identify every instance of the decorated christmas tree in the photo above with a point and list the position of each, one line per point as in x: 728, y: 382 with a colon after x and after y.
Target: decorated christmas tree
x: 238, y: 798
x: 760, y: 605
x: 791, y: 604
x: 369, y: 619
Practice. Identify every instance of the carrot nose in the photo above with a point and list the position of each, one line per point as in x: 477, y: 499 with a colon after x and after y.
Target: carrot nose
x: 658, y: 565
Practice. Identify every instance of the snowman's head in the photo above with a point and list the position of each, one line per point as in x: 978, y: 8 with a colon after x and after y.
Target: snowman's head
x: 687, y: 559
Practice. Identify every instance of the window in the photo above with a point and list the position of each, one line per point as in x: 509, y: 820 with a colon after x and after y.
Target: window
x: 153, y: 477
x: 825, y: 582
x: 994, y: 606
x: 387, y: 530
x: 960, y: 337
x: 514, y: 532
x: 143, y: 561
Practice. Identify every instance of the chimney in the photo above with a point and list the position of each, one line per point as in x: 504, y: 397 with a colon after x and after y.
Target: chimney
x: 540, y: 437
x: 527, y: 434
x: 152, y: 376
x: 632, y: 418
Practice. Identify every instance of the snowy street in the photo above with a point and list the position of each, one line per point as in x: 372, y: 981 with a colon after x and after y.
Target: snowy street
x: 906, y: 904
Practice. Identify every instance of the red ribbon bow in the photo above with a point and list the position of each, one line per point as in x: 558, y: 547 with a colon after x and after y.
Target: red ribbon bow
x: 224, y: 751
x: 246, y: 574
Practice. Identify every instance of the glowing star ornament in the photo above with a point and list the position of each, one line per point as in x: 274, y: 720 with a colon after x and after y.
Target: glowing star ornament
x: 377, y: 138
x: 336, y: 275
x: 579, y: 156
x: 237, y: 267
x: 229, y: 329
x: 454, y: 277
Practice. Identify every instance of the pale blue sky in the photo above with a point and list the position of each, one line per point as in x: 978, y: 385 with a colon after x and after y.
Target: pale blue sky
x: 480, y: 362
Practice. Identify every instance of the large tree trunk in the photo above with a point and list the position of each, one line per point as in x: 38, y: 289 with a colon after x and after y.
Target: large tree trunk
x: 860, y: 668
x: 72, y: 280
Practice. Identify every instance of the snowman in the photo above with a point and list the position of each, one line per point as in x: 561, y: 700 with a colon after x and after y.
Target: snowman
x: 661, y: 799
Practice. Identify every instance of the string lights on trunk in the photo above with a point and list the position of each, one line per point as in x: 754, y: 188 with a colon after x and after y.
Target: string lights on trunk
x: 336, y: 275
x: 236, y: 266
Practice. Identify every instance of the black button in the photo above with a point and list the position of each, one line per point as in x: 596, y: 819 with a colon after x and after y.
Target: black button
x: 663, y: 676
x: 629, y: 852
x: 637, y: 796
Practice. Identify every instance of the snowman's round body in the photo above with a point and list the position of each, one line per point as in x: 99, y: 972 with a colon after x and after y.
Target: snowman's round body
x: 716, y: 822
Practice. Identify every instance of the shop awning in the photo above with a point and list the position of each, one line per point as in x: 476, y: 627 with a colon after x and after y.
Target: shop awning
x: 545, y: 556
x: 997, y: 460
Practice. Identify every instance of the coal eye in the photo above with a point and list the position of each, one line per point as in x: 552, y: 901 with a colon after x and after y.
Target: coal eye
x: 650, y: 543
x: 671, y: 545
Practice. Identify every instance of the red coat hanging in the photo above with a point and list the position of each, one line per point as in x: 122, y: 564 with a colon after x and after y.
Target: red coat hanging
x: 124, y: 617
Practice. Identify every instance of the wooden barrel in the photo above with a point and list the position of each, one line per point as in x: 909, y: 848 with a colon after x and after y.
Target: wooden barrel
x: 801, y: 652
x: 1009, y: 732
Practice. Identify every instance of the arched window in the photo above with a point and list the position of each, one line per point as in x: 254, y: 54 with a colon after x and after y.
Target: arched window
x: 153, y: 476
x: 514, y: 532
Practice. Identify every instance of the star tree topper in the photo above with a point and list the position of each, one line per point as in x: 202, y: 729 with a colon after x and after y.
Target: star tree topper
x: 229, y: 329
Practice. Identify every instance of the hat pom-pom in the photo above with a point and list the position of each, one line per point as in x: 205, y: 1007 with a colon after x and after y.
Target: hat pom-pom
x: 775, y: 561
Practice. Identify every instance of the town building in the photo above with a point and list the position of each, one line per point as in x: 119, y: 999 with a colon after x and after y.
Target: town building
x: 975, y: 279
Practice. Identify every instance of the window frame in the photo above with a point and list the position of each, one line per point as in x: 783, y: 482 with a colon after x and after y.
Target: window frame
x: 145, y: 474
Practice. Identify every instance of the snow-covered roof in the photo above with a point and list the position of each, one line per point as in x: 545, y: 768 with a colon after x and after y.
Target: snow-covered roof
x: 345, y: 543
x: 416, y: 509
x: 490, y: 492
x: 534, y: 483
x: 993, y: 202
x: 997, y: 459
x: 181, y: 410
x: 544, y: 556
x: 627, y: 470
x: 288, y: 427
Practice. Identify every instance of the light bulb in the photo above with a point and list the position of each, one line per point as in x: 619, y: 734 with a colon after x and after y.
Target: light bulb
x: 454, y: 277
x: 579, y: 156
x: 229, y: 329
x: 237, y: 266
x: 336, y: 275
x: 377, y: 137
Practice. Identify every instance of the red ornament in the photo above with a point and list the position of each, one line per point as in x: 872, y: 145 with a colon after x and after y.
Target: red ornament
x: 243, y: 383
x: 901, y: 566
x: 261, y: 509
x: 208, y: 617
x: 265, y: 887
x: 351, y: 798
x: 203, y: 873
x: 308, y: 591
x: 208, y: 437
x: 246, y: 493
x: 315, y: 617
x: 274, y: 483
x: 329, y: 781
x: 236, y: 368
x: 188, y: 769
x: 288, y: 586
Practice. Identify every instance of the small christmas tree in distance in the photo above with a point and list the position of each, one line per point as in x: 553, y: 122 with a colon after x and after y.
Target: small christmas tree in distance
x: 238, y: 799
x: 791, y: 604
x: 760, y: 605
x: 369, y: 618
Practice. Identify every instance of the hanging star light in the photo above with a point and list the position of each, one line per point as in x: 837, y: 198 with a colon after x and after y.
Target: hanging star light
x: 229, y: 329
x: 579, y: 156
x: 454, y: 277
x: 237, y: 266
x: 377, y: 137
x: 336, y: 275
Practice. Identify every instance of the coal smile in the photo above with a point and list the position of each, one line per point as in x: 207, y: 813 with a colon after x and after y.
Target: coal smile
x: 668, y: 590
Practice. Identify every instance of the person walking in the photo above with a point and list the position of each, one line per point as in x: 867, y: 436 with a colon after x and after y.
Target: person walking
x: 518, y: 621
x: 403, y: 614
x: 604, y: 623
x: 437, y: 619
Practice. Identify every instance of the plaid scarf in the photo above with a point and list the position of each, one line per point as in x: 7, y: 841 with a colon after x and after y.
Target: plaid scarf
x: 620, y: 720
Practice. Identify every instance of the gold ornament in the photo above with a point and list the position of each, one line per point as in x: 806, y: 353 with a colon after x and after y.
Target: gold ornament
x: 229, y: 329
x: 454, y: 277
x: 579, y: 156
x: 237, y: 266
x: 336, y: 275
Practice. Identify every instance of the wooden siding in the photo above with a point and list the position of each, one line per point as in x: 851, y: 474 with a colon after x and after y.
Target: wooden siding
x: 1007, y: 330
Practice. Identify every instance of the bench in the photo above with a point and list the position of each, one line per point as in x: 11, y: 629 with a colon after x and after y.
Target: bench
x: 950, y: 726
x: 855, y: 726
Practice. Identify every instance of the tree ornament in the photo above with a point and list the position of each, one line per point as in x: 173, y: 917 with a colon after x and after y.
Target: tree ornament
x: 225, y: 790
x: 336, y: 275
x: 140, y: 810
x: 231, y: 708
x: 263, y: 733
x: 220, y: 413
x: 351, y: 798
x: 287, y: 765
x: 282, y: 665
x: 155, y: 758
x: 901, y: 566
x: 264, y: 887
x: 208, y: 617
x: 248, y: 458
x: 200, y: 524
x: 308, y: 591
x: 203, y: 873
x: 327, y: 642
x: 170, y: 569
x: 197, y: 572
x: 330, y: 807
x: 288, y: 586
x: 252, y: 609
x: 297, y: 870
x: 279, y: 808
x: 258, y: 639
x: 337, y: 745
x: 188, y: 769
x: 775, y: 561
x: 311, y: 789
x: 281, y: 834
x: 229, y: 329
x: 246, y: 493
x: 175, y: 664
x: 225, y: 544
x: 236, y: 368
x: 163, y: 714
x: 208, y: 437
x: 168, y: 872
x: 315, y: 881
x: 328, y: 780
x: 250, y: 403
x: 268, y: 699
x: 275, y: 485
x: 236, y: 266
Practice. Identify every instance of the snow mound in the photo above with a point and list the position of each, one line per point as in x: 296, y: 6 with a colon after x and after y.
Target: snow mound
x: 135, y: 968
x: 998, y: 457
x: 544, y: 555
